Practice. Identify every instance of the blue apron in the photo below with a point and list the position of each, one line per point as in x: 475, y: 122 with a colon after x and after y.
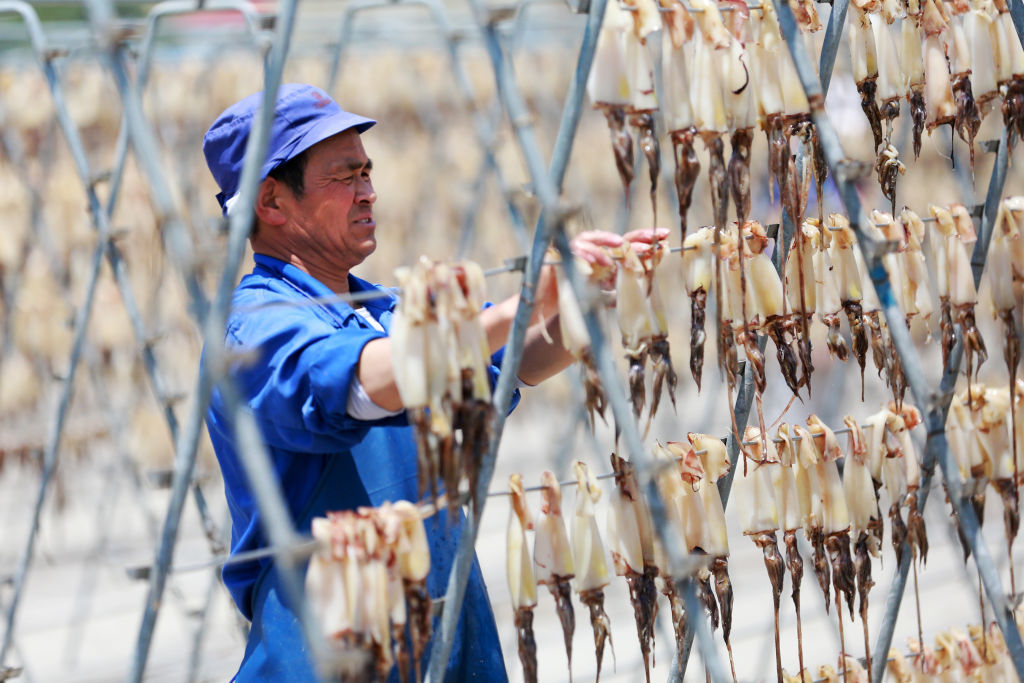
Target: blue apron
x: 374, y: 471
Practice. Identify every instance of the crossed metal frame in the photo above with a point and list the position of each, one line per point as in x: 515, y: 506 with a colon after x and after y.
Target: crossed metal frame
x: 210, y: 314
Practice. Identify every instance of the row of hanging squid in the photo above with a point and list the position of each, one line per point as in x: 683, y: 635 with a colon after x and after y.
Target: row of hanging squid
x: 787, y: 483
x: 367, y: 583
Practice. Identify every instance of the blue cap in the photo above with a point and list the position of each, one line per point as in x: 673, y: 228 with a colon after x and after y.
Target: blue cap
x: 303, y: 116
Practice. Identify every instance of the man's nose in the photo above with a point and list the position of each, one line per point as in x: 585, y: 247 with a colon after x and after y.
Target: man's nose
x: 366, y: 193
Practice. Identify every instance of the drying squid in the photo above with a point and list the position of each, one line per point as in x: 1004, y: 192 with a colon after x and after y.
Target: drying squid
x: 641, y: 315
x: 697, y: 271
x: 412, y: 559
x: 787, y: 501
x: 912, y: 62
x: 954, y: 231
x: 1009, y: 67
x: 676, y: 108
x: 968, y: 117
x: 715, y: 462
x: 588, y: 557
x: 800, y: 291
x: 826, y: 295
x: 759, y: 519
x: 552, y: 557
x: 768, y: 301
x: 471, y: 392
x: 678, y: 463
x: 848, y: 277
x: 903, y: 455
x: 941, y: 108
x: 522, y: 585
x: 643, y: 100
x: 632, y: 545
x: 609, y: 85
x: 864, y: 64
x: 836, y: 517
x: 812, y: 513
x: 865, y: 518
x: 975, y: 468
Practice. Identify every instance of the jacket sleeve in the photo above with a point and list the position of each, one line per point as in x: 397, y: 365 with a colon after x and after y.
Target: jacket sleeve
x: 295, y: 371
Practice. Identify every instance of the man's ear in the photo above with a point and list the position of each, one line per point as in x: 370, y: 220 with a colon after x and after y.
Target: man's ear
x: 269, y: 202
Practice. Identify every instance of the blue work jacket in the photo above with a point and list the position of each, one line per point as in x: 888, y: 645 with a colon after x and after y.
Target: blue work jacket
x: 297, y: 358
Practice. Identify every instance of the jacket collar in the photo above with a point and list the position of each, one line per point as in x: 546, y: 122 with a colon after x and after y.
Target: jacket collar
x: 310, y: 286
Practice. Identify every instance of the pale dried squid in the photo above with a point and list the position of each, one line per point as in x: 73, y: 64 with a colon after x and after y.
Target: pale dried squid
x: 941, y: 107
x: 588, y: 557
x: 698, y: 268
x: 787, y: 501
x: 552, y: 557
x: 631, y: 540
x: 865, y: 518
x: 843, y: 249
x: 641, y: 315
x: 968, y: 115
x: 759, y: 519
x: 412, y: 559
x: 643, y: 100
x: 676, y: 108
x: 609, y: 85
x: 1009, y: 68
x: 799, y: 287
x: 954, y: 230
x: 522, y: 585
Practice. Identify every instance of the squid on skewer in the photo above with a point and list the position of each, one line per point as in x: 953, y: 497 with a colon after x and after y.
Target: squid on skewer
x: 787, y: 501
x: 588, y: 557
x: 864, y: 64
x: 843, y: 251
x: 800, y: 292
x: 522, y: 585
x: 968, y: 116
x: 865, y: 519
x: 676, y: 108
x: 678, y: 463
x: 632, y: 544
x: 901, y: 420
x: 892, y: 87
x: 412, y: 559
x: 1009, y: 68
x: 643, y: 99
x: 826, y: 295
x: 997, y: 440
x: 552, y: 557
x: 912, y: 62
x: 975, y: 468
x: 954, y: 231
x: 641, y: 315
x: 373, y: 594
x: 836, y: 522
x: 759, y: 519
x: 768, y: 301
x: 697, y: 271
x: 715, y: 462
x: 609, y: 85
x: 812, y: 504
x: 941, y: 107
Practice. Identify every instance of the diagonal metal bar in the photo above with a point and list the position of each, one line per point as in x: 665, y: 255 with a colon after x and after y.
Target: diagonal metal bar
x: 82, y: 316
x: 213, y: 320
x: 936, y: 418
x: 901, y: 339
x: 833, y: 36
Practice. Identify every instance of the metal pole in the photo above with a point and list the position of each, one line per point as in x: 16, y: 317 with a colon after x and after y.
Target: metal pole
x: 441, y: 648
x: 833, y: 36
x: 901, y: 339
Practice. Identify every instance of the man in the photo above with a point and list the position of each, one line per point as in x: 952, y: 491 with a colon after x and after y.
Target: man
x: 321, y: 386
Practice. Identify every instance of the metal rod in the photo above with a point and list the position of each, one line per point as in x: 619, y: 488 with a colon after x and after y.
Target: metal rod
x: 514, y: 347
x: 833, y: 36
x: 213, y: 319
x: 937, y: 446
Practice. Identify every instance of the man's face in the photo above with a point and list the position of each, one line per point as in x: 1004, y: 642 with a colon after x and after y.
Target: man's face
x: 334, y: 215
